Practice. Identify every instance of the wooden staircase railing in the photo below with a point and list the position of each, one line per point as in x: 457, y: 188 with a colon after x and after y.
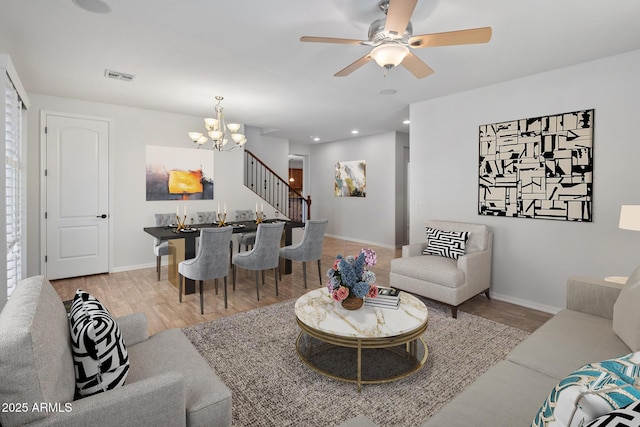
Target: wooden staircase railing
x: 276, y: 191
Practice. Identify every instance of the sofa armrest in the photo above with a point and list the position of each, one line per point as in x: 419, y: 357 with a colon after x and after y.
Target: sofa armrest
x: 477, y: 269
x: 592, y: 296
x: 413, y: 249
x: 156, y: 402
x: 134, y: 328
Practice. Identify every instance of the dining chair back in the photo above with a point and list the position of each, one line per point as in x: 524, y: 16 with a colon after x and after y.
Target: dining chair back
x: 206, y: 217
x: 264, y: 255
x: 161, y: 248
x: 211, y: 261
x: 246, y: 239
x: 309, y: 248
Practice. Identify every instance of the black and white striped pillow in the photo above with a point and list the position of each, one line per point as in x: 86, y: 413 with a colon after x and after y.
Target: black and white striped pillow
x: 99, y: 353
x: 450, y: 244
x: 628, y: 416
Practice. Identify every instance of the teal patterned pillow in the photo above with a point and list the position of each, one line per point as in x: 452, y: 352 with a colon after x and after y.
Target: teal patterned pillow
x: 591, y: 391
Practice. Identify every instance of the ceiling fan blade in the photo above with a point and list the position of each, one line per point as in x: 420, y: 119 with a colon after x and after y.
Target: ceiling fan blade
x: 398, y: 16
x: 415, y: 65
x: 449, y: 38
x: 351, y: 68
x: 329, y: 40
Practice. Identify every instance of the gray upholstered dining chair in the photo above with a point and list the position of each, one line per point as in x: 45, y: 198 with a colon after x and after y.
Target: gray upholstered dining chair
x: 161, y: 247
x: 246, y: 239
x: 264, y: 255
x: 206, y: 217
x: 310, y: 248
x: 211, y: 261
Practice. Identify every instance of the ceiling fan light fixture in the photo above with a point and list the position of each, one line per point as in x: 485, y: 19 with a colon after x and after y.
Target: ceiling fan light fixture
x: 389, y: 54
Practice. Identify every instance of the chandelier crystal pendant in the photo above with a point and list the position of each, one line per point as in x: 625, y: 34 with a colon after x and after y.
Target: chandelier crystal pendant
x: 219, y: 132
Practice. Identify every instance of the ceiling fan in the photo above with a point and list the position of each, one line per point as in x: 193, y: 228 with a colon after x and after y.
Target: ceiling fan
x: 392, y: 40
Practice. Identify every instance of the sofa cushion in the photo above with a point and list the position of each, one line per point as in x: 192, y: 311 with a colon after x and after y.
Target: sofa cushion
x: 450, y: 244
x: 430, y: 268
x: 99, y: 352
x: 591, y: 391
x: 629, y: 416
x: 626, y: 312
x: 567, y: 341
x: 35, y: 351
x: 207, y: 397
x: 506, y: 395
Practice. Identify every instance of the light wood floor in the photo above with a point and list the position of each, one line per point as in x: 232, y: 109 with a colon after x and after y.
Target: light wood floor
x: 139, y: 290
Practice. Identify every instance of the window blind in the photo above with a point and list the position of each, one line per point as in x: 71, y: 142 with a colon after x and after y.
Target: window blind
x: 13, y: 186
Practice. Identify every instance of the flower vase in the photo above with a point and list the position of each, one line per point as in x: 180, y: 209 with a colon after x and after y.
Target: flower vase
x: 352, y: 302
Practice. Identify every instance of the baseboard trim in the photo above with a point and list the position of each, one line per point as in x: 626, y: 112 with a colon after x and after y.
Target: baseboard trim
x: 525, y: 303
x: 366, y: 242
x: 134, y: 267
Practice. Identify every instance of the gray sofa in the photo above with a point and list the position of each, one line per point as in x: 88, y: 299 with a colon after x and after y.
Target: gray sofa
x: 169, y: 383
x: 511, y: 392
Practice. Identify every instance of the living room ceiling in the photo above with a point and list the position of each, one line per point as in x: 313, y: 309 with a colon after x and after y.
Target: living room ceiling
x: 184, y: 53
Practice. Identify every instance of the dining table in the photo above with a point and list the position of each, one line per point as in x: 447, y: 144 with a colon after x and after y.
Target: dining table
x: 187, y: 238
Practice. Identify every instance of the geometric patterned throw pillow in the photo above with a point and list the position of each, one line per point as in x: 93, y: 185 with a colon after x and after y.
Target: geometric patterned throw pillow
x: 99, y: 353
x: 629, y: 416
x: 450, y: 244
x: 591, y: 391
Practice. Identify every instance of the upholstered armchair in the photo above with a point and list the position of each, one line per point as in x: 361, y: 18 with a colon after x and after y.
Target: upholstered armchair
x: 444, y: 278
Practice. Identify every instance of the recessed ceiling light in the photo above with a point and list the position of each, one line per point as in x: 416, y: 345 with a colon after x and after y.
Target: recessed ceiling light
x: 316, y: 139
x: 406, y: 122
x: 355, y: 131
x: 388, y: 92
x: 95, y: 6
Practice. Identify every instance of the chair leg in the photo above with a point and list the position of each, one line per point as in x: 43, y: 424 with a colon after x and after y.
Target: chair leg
x: 275, y: 274
x: 233, y: 272
x: 180, y: 287
x: 319, y: 272
x: 216, y: 286
x: 225, y: 291
x: 304, y: 273
x: 486, y: 293
x: 202, y: 296
x: 257, y: 286
x: 262, y: 277
x: 279, y: 271
x: 454, y: 312
x: 158, y: 258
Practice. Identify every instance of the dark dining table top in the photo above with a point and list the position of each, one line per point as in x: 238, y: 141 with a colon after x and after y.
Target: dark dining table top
x: 169, y: 232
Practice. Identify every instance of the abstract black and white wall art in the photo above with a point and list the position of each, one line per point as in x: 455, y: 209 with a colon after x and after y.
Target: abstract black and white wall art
x: 538, y: 168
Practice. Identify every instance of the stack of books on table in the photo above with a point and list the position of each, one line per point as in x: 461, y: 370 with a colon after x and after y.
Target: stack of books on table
x: 387, y: 298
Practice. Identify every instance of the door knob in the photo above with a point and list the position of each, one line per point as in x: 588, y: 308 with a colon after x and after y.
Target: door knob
x: 101, y: 216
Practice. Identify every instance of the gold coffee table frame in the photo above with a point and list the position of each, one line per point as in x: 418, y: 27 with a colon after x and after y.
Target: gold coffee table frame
x: 409, y: 340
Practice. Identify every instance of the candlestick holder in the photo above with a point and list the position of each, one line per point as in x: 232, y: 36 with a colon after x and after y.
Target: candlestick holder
x: 222, y: 219
x: 181, y: 224
x: 259, y: 217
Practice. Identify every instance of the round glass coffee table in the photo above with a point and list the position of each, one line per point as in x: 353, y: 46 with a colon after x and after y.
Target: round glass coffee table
x: 370, y: 345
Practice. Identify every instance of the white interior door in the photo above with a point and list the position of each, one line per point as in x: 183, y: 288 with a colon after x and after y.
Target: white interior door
x: 77, y: 196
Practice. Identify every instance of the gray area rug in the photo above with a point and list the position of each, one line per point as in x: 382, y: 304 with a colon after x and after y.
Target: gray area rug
x: 254, y: 354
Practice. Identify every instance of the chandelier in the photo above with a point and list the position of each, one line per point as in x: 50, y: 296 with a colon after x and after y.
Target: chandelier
x: 219, y: 132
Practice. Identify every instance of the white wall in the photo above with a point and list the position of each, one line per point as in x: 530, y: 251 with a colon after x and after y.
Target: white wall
x: 534, y: 258
x: 134, y: 129
x: 369, y: 219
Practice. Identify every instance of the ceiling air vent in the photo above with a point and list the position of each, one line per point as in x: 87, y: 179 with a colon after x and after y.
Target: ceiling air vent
x: 119, y: 76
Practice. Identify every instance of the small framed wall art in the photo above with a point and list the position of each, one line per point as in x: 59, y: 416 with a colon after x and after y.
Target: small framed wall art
x: 540, y: 167
x: 351, y: 179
